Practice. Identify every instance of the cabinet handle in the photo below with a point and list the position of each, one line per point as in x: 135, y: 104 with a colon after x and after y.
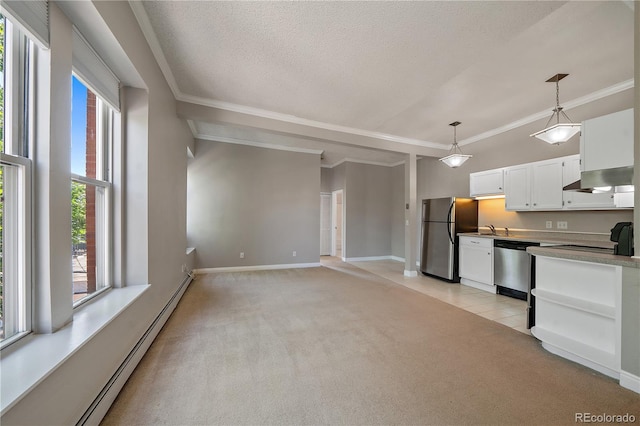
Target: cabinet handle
x: 569, y: 201
x: 526, y: 204
x: 535, y: 204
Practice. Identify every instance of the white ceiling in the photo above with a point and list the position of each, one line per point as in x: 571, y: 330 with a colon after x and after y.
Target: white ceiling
x: 397, y: 72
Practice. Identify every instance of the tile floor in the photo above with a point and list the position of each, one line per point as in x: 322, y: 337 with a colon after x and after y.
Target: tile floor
x: 505, y: 310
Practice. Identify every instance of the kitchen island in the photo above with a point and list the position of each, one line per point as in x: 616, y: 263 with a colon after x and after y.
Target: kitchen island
x: 588, y: 309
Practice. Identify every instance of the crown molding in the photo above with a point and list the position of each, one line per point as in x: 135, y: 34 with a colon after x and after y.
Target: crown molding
x: 599, y: 94
x: 355, y: 160
x: 287, y: 118
x: 235, y: 141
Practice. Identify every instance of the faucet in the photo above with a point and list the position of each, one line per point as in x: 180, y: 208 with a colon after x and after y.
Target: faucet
x: 506, y: 231
x: 493, y: 229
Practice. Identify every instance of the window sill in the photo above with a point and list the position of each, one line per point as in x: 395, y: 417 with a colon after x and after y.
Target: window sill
x: 37, y: 356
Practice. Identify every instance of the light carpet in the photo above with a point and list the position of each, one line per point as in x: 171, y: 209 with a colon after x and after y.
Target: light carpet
x: 338, y: 345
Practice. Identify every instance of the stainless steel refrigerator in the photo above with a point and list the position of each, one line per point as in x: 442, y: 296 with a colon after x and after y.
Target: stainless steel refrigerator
x: 442, y: 220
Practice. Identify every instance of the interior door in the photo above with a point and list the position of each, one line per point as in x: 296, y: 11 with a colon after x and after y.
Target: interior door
x: 325, y: 224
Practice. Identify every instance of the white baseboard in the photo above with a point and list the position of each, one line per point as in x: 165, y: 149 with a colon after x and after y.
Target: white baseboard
x: 98, y: 409
x: 479, y: 286
x: 402, y: 259
x: 630, y: 381
x: 578, y: 359
x: 255, y: 268
x: 410, y: 274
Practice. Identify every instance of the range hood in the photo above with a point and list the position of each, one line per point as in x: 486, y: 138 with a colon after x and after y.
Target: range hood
x: 595, y: 179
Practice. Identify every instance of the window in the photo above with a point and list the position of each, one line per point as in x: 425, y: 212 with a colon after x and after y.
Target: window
x: 15, y: 183
x: 91, y: 126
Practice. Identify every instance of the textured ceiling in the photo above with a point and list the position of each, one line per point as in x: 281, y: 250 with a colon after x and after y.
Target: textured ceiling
x: 399, y: 68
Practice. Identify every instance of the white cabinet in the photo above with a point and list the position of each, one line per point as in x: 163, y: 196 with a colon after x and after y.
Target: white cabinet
x: 578, y: 311
x: 546, y: 185
x: 476, y: 262
x: 582, y: 200
x: 517, y: 187
x: 488, y: 182
x: 607, y: 142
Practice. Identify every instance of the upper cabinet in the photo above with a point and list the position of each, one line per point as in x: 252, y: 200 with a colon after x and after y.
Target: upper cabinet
x: 517, y: 187
x: 584, y: 200
x: 546, y: 185
x: 534, y: 186
x: 489, y: 182
x: 539, y: 186
x: 607, y: 142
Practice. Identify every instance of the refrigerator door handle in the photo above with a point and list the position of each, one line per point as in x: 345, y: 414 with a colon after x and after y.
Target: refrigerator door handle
x: 449, y: 223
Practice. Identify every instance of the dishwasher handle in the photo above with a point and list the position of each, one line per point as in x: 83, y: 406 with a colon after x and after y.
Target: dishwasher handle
x: 514, y: 245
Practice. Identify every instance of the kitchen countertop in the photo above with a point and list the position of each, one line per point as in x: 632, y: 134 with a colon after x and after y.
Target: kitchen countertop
x: 563, y: 242
x: 565, y: 252
x: 556, y: 238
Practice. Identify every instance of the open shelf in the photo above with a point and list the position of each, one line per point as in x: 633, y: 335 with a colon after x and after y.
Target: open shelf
x: 596, y: 308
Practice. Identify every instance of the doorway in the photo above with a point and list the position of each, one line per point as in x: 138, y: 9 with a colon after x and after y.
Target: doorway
x: 337, y: 224
x: 326, y: 227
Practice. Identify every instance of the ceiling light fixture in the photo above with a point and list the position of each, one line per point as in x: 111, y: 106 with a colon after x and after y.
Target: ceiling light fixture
x: 455, y: 158
x: 559, y: 132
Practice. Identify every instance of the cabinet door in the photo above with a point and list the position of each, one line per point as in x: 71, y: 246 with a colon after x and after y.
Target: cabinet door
x: 488, y: 182
x: 547, y: 185
x: 582, y: 200
x: 607, y: 142
x: 517, y: 187
x: 476, y: 263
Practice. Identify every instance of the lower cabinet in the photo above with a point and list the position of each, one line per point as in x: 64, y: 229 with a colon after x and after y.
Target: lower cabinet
x: 476, y: 262
x: 578, y: 311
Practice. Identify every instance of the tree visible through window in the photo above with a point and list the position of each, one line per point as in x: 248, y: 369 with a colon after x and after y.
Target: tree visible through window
x: 89, y: 191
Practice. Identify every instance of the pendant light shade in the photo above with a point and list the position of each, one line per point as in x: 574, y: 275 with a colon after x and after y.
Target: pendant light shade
x: 455, y: 158
x: 558, y: 132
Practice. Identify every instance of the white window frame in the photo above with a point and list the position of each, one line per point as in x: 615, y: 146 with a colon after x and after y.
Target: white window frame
x: 17, y: 226
x: 17, y: 287
x: 104, y: 201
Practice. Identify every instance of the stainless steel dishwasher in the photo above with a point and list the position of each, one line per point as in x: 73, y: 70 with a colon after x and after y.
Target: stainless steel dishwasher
x: 512, y: 267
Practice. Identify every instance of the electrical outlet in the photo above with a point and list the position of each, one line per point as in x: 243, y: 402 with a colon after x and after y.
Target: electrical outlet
x: 295, y: 253
x: 549, y: 224
x: 184, y: 268
x: 241, y: 255
x: 561, y: 224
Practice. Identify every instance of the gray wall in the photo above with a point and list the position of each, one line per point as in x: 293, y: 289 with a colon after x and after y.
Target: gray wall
x: 263, y: 202
x: 333, y: 179
x: 397, y: 211
x: 368, y: 210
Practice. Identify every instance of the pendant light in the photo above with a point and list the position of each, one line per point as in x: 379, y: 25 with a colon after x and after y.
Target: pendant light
x: 455, y: 158
x: 558, y: 132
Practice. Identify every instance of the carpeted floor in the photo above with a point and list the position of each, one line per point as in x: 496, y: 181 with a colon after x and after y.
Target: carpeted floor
x: 339, y: 345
